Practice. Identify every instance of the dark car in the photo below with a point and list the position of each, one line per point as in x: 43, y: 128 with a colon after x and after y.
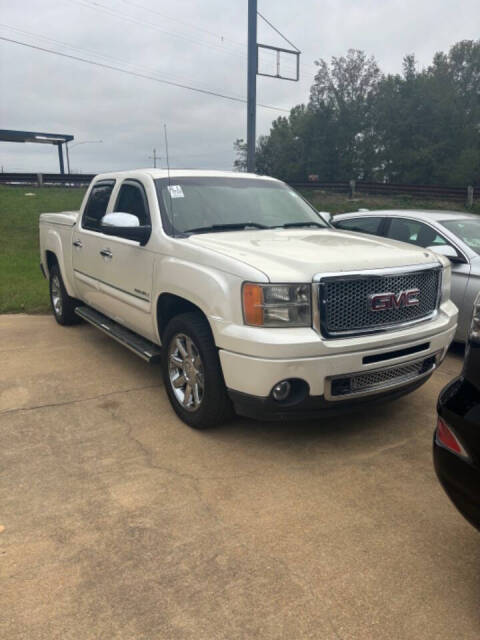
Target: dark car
x: 456, y: 444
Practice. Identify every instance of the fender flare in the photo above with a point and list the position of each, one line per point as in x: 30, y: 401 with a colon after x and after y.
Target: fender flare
x: 53, y: 243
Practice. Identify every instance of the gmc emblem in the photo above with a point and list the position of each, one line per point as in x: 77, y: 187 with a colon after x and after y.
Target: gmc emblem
x: 386, y: 301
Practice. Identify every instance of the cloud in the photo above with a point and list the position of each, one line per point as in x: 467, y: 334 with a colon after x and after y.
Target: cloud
x: 43, y: 92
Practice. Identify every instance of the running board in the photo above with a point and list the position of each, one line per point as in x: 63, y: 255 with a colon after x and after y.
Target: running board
x: 141, y: 346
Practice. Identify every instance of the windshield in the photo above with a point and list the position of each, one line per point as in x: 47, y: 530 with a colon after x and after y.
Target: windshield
x: 466, y: 230
x: 200, y: 205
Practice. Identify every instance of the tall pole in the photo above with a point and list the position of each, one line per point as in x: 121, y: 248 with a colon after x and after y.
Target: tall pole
x: 60, y: 157
x: 155, y: 158
x: 251, y: 84
x: 68, y: 157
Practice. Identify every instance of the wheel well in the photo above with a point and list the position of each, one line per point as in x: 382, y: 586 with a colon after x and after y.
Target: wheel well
x: 51, y: 260
x: 169, y: 306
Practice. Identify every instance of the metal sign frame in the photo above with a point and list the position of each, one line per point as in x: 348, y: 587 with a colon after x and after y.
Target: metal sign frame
x: 278, y: 51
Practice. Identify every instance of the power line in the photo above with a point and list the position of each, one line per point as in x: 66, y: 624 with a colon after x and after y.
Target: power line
x: 187, y: 24
x: 277, y: 31
x: 96, y: 6
x: 90, y: 51
x: 139, y: 75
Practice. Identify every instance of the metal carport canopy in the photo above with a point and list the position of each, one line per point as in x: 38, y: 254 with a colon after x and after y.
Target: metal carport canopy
x: 58, y: 139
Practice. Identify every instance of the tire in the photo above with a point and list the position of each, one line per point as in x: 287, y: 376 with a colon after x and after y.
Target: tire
x: 63, y: 306
x: 207, y: 403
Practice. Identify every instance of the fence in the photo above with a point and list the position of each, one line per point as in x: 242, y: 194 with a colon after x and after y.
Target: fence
x: 50, y: 179
x: 352, y: 188
x: 428, y: 192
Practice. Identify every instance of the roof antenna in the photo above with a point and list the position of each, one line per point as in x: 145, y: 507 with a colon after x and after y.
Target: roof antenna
x: 169, y: 182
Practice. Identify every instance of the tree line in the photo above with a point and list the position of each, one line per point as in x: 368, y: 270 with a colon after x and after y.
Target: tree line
x: 421, y: 126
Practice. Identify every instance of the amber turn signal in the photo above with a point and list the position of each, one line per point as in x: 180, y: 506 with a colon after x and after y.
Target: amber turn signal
x: 253, y: 304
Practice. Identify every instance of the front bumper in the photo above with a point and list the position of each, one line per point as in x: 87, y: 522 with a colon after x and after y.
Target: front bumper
x: 255, y: 376
x: 267, y: 409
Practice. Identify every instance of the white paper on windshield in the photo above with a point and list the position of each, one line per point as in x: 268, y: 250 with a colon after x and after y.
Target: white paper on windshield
x: 175, y: 191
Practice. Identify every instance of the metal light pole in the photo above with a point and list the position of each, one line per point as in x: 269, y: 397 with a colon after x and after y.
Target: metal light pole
x: 76, y: 145
x: 251, y: 83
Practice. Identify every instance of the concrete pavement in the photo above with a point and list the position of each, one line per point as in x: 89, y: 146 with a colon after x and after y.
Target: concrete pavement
x: 121, y: 522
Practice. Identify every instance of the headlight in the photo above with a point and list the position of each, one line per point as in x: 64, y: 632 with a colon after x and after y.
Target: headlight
x: 446, y: 283
x: 277, y: 305
x: 475, y: 328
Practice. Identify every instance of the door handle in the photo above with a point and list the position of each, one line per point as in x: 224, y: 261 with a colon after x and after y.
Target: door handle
x: 77, y: 243
x: 106, y: 253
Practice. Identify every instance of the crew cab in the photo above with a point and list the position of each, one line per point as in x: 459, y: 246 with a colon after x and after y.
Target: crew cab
x: 246, y: 295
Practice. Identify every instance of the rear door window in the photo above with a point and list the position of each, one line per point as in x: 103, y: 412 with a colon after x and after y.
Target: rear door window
x: 97, y: 204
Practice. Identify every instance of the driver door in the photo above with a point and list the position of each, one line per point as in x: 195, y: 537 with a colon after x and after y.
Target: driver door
x: 128, y: 267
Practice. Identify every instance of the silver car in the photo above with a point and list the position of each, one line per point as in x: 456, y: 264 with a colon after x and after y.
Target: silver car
x: 451, y: 233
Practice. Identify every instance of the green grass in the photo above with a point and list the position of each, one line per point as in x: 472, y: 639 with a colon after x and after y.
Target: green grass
x: 22, y: 286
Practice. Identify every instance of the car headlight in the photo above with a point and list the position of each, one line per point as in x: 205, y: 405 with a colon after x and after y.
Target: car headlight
x: 446, y: 283
x: 277, y: 305
x: 475, y: 326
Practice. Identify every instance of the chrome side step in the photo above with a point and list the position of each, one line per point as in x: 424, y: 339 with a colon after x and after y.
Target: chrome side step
x: 141, y: 346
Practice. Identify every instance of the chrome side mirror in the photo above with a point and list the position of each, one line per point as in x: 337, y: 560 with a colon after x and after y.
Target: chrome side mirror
x: 120, y: 219
x: 125, y: 225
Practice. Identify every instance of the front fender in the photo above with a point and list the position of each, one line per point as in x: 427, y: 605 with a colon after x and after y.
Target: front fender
x: 215, y: 292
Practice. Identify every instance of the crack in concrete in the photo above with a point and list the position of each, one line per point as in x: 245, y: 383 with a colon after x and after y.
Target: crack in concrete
x: 77, y: 400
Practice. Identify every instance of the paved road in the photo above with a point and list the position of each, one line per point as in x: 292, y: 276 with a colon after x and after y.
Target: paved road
x: 120, y: 522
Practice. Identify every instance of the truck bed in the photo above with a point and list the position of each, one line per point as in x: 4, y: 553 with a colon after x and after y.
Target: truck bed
x: 65, y: 218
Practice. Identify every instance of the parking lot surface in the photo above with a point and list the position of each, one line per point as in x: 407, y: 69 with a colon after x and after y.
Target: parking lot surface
x: 118, y: 521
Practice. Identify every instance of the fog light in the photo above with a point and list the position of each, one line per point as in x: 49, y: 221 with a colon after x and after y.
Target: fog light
x: 281, y: 391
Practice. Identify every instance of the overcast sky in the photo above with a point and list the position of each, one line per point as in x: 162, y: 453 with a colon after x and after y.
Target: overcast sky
x: 202, y: 44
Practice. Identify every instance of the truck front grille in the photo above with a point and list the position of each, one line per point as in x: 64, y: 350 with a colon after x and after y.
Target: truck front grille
x: 345, y: 301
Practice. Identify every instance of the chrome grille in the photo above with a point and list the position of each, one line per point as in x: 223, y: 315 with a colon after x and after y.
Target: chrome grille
x: 344, y: 301
x: 371, y: 381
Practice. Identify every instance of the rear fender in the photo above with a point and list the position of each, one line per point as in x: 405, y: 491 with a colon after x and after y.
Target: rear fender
x: 53, y: 243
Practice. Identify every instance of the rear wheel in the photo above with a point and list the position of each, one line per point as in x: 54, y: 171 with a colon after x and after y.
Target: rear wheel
x: 192, y: 372
x: 63, y: 306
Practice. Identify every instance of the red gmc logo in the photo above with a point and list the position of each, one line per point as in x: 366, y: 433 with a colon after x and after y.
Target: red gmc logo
x: 386, y: 301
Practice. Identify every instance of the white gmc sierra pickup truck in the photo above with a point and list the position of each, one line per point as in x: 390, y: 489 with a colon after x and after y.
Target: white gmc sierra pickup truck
x: 257, y: 304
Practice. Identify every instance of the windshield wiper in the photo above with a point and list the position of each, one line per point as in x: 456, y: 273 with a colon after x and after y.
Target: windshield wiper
x: 292, y: 225
x: 234, y: 226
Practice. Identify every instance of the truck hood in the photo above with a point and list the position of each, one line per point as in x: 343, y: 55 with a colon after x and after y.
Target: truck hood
x: 286, y: 255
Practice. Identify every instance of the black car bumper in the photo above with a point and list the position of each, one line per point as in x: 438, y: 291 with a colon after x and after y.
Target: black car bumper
x: 460, y: 478
x: 461, y: 482
x: 310, y: 407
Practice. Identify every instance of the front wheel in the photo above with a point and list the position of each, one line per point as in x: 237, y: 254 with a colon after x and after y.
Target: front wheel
x: 192, y: 373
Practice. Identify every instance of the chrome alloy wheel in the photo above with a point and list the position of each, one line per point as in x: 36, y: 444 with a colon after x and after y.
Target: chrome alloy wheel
x: 185, y: 370
x: 56, y: 295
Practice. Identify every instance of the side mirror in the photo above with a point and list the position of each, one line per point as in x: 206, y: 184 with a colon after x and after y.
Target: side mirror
x: 125, y: 225
x: 448, y: 251
x: 326, y: 215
